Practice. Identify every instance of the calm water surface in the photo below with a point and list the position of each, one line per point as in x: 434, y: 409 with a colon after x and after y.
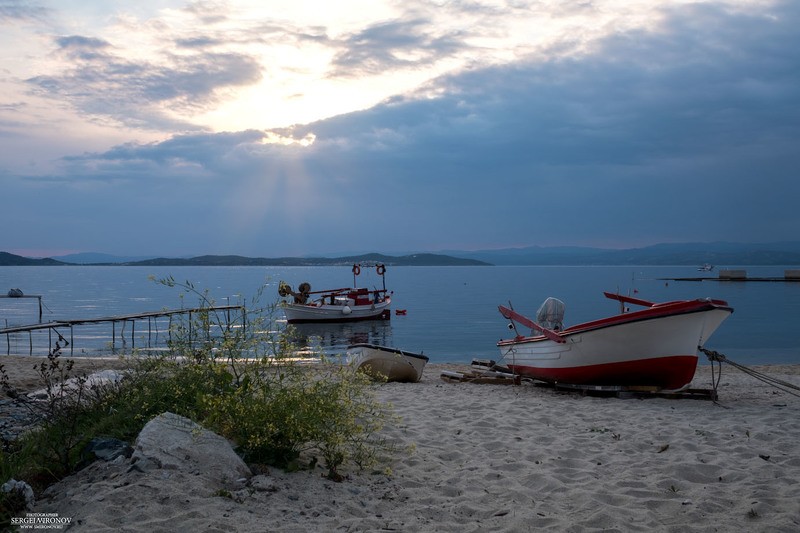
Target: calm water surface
x: 451, y: 311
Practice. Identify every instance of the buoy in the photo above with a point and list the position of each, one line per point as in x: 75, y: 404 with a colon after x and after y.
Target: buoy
x: 400, y: 311
x: 346, y: 310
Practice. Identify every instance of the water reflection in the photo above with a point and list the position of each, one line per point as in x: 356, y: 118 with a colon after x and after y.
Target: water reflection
x: 333, y: 339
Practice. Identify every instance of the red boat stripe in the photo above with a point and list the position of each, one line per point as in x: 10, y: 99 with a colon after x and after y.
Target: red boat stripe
x: 671, y: 372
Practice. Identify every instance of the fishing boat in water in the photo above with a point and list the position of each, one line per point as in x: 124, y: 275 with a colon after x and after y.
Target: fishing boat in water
x: 656, y: 346
x: 383, y: 362
x: 348, y: 304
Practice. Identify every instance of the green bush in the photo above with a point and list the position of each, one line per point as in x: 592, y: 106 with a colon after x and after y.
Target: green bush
x: 283, y: 410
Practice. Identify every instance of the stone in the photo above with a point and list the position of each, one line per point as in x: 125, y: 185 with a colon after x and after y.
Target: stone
x: 177, y: 443
x: 22, y: 488
x: 106, y: 449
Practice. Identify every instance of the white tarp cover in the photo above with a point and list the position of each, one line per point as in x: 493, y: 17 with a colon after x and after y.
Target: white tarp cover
x: 551, y: 314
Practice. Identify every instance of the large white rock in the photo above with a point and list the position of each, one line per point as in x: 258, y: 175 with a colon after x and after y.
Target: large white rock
x: 172, y: 442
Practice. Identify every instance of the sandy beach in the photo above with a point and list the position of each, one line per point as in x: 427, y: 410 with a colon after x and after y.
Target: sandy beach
x: 498, y: 458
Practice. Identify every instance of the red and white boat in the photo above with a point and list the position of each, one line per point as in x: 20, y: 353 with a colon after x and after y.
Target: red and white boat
x: 337, y: 305
x: 655, y: 346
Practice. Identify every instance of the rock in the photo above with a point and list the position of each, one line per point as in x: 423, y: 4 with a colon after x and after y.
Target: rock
x: 22, y: 489
x: 177, y: 443
x: 106, y: 449
x: 16, y: 416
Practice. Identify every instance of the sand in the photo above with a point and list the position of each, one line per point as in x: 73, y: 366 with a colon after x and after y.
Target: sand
x: 501, y: 458
x: 23, y: 371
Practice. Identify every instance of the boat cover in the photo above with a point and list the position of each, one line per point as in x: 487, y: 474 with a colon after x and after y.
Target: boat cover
x: 551, y: 314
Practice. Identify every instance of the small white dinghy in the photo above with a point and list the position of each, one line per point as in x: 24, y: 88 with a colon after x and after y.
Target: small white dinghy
x: 383, y: 362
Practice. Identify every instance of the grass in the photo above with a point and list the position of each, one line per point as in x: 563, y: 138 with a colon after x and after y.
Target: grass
x: 240, y: 382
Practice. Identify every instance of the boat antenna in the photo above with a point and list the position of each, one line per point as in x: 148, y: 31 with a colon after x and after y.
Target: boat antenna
x: 511, y: 323
x: 621, y: 303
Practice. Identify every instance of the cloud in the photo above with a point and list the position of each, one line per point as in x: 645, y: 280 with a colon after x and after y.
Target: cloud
x: 208, y: 12
x: 672, y: 129
x: 393, y: 45
x: 12, y: 11
x: 185, y: 160
x: 79, y: 48
x: 139, y: 92
x: 684, y: 132
x: 154, y: 73
x: 639, y: 96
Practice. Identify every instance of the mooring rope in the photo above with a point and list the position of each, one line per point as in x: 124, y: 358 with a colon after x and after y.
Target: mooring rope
x: 716, y: 357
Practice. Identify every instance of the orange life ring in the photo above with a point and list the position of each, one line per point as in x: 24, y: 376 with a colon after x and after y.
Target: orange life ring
x: 356, y: 270
x: 381, y: 270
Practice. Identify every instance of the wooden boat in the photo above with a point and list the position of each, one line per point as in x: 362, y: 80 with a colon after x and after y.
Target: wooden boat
x: 383, y: 362
x: 656, y: 346
x: 337, y: 305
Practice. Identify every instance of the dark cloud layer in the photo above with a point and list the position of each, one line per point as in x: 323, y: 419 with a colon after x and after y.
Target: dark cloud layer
x: 688, y: 133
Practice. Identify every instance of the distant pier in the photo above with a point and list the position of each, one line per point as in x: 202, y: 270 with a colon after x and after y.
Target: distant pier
x: 151, y: 317
x: 11, y: 294
x: 741, y: 276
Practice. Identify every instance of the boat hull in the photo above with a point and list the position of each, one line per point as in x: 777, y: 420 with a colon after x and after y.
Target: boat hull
x: 309, y: 313
x: 384, y: 363
x: 654, y: 347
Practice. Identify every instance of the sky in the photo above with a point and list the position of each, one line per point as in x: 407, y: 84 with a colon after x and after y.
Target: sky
x: 269, y: 128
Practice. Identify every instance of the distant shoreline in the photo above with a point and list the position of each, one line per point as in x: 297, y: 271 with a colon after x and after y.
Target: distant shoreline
x: 7, y: 259
x: 717, y: 256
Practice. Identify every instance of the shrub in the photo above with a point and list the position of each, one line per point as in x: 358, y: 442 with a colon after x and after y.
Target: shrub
x: 283, y: 410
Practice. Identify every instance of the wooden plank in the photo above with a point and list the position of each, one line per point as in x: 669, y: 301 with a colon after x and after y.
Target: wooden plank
x: 639, y: 392
x: 115, y: 318
x: 492, y: 378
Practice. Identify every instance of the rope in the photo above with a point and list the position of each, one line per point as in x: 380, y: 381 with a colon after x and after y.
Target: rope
x: 716, y: 357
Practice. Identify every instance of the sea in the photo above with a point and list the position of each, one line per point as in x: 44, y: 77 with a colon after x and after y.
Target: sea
x: 450, y: 312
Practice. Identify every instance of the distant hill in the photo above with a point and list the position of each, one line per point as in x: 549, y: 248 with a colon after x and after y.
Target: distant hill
x: 236, y: 260
x: 7, y: 259
x: 90, y: 258
x: 717, y: 253
x: 423, y: 259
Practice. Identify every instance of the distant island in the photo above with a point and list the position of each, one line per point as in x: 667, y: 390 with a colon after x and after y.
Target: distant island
x: 719, y: 254
x: 7, y: 259
x: 236, y: 260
